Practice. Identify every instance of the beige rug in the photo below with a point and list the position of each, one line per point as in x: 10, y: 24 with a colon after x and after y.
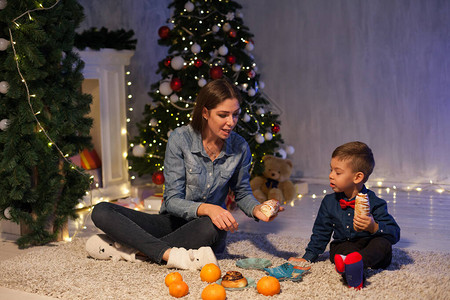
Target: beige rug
x: 64, y: 271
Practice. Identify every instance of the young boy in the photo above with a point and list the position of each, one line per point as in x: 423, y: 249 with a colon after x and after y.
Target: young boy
x: 358, y: 241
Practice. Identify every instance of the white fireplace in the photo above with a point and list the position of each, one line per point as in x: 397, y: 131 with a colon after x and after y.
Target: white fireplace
x: 104, y: 74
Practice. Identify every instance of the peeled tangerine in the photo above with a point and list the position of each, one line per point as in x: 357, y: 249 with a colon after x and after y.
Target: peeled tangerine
x: 268, y: 286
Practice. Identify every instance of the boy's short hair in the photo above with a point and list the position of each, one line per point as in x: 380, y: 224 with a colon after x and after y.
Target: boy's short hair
x: 359, y: 155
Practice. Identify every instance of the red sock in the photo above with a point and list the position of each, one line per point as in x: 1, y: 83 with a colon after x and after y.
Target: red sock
x: 354, y: 268
x: 339, y: 263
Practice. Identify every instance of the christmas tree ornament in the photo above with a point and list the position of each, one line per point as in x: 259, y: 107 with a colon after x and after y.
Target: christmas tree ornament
x: 177, y: 63
x: 3, y: 4
x: 226, y: 27
x: 165, y: 89
x: 4, y: 124
x: 176, y: 84
x: 7, y: 213
x: 158, y: 177
x: 202, y: 82
x: 239, y: 15
x: 261, y: 84
x: 281, y: 153
x: 215, y: 29
x: 3, y: 44
x: 138, y: 150
x: 276, y: 128
x: 268, y: 136
x: 289, y: 150
x: 236, y: 67
x: 4, y: 87
x: 251, y: 74
x: 260, y: 111
x: 259, y: 138
x: 231, y: 59
x: 249, y: 46
x: 164, y: 32
x: 223, y: 50
x: 251, y: 92
x: 198, y: 63
x: 189, y: 6
x: 153, y: 122
x: 232, y: 33
x: 173, y: 98
x: 167, y: 61
x: 216, y: 72
x: 196, y: 48
x: 246, y: 118
x: 230, y: 16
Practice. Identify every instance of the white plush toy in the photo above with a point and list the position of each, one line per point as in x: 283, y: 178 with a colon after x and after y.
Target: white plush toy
x: 100, y: 246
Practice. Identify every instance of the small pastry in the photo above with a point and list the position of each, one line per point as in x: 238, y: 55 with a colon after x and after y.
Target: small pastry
x: 234, y: 279
x: 270, y: 208
x: 362, y: 205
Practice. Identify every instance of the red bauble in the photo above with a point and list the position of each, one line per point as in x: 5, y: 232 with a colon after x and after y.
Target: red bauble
x: 276, y: 128
x: 216, y: 72
x: 231, y: 59
x: 232, y: 33
x: 198, y: 63
x: 251, y: 73
x: 176, y: 84
x: 164, y: 32
x: 158, y: 177
x: 167, y: 61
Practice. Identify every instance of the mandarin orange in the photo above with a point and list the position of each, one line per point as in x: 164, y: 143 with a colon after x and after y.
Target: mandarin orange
x: 172, y: 277
x: 178, y: 289
x: 210, y: 273
x: 268, y: 286
x: 214, y: 292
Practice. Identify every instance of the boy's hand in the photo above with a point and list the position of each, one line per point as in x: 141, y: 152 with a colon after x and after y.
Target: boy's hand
x: 365, y: 223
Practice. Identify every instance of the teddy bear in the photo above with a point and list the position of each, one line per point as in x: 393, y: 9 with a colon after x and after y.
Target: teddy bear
x: 274, y: 183
x: 100, y: 246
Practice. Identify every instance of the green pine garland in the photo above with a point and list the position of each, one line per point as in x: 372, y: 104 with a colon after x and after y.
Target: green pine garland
x: 103, y: 38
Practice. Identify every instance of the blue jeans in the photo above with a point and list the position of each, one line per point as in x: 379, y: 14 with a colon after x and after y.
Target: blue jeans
x: 153, y: 234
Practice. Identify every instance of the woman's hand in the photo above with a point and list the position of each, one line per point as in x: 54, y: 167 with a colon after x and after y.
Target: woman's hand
x: 257, y: 213
x: 220, y: 217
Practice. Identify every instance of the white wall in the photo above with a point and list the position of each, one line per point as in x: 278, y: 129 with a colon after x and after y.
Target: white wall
x: 376, y: 71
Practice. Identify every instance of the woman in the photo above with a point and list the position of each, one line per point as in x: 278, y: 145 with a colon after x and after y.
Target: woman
x: 202, y: 162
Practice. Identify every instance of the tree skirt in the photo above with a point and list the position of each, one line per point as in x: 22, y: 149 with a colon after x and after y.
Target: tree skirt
x: 64, y: 271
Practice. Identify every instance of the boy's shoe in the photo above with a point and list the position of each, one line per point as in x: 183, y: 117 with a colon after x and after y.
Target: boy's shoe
x: 339, y: 263
x: 354, y: 270
x: 191, y: 259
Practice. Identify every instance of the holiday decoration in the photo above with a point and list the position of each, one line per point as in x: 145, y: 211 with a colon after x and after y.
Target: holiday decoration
x: 289, y: 150
x: 281, y: 153
x: 164, y: 32
x: 3, y: 44
x: 7, y: 213
x: 4, y: 124
x: 41, y: 95
x: 208, y: 40
x: 274, y: 182
x: 139, y: 150
x: 158, y: 177
x: 153, y: 122
x: 276, y: 128
x: 4, y: 87
x: 98, y: 39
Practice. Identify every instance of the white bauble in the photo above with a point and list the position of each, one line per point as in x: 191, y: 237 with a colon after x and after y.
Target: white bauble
x: 7, y: 213
x: 223, y: 50
x: 251, y: 92
x: 4, y: 87
x: 289, y: 150
x: 255, y: 68
x: 246, y: 118
x: 3, y: 44
x: 202, y: 82
x: 268, y: 136
x: 139, y: 150
x: 249, y: 46
x: 281, y: 152
x: 189, y: 6
x: 260, y: 111
x: 165, y: 89
x: 173, y: 98
x: 215, y: 29
x: 226, y: 27
x: 259, y: 139
x: 244, y: 86
x: 153, y: 122
x: 3, y: 4
x: 196, y: 48
x: 236, y: 67
x: 177, y: 63
x: 4, y: 124
x: 261, y: 84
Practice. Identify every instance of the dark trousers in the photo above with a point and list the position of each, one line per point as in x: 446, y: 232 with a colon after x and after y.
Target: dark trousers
x: 376, y: 252
x: 153, y: 234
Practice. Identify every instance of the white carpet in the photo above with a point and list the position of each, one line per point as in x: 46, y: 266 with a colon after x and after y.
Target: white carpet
x: 64, y: 271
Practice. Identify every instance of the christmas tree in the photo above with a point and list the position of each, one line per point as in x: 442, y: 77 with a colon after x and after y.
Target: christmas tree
x: 207, y: 40
x: 43, y: 116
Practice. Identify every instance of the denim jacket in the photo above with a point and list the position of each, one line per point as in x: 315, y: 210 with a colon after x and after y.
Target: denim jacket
x: 332, y: 219
x: 191, y: 178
